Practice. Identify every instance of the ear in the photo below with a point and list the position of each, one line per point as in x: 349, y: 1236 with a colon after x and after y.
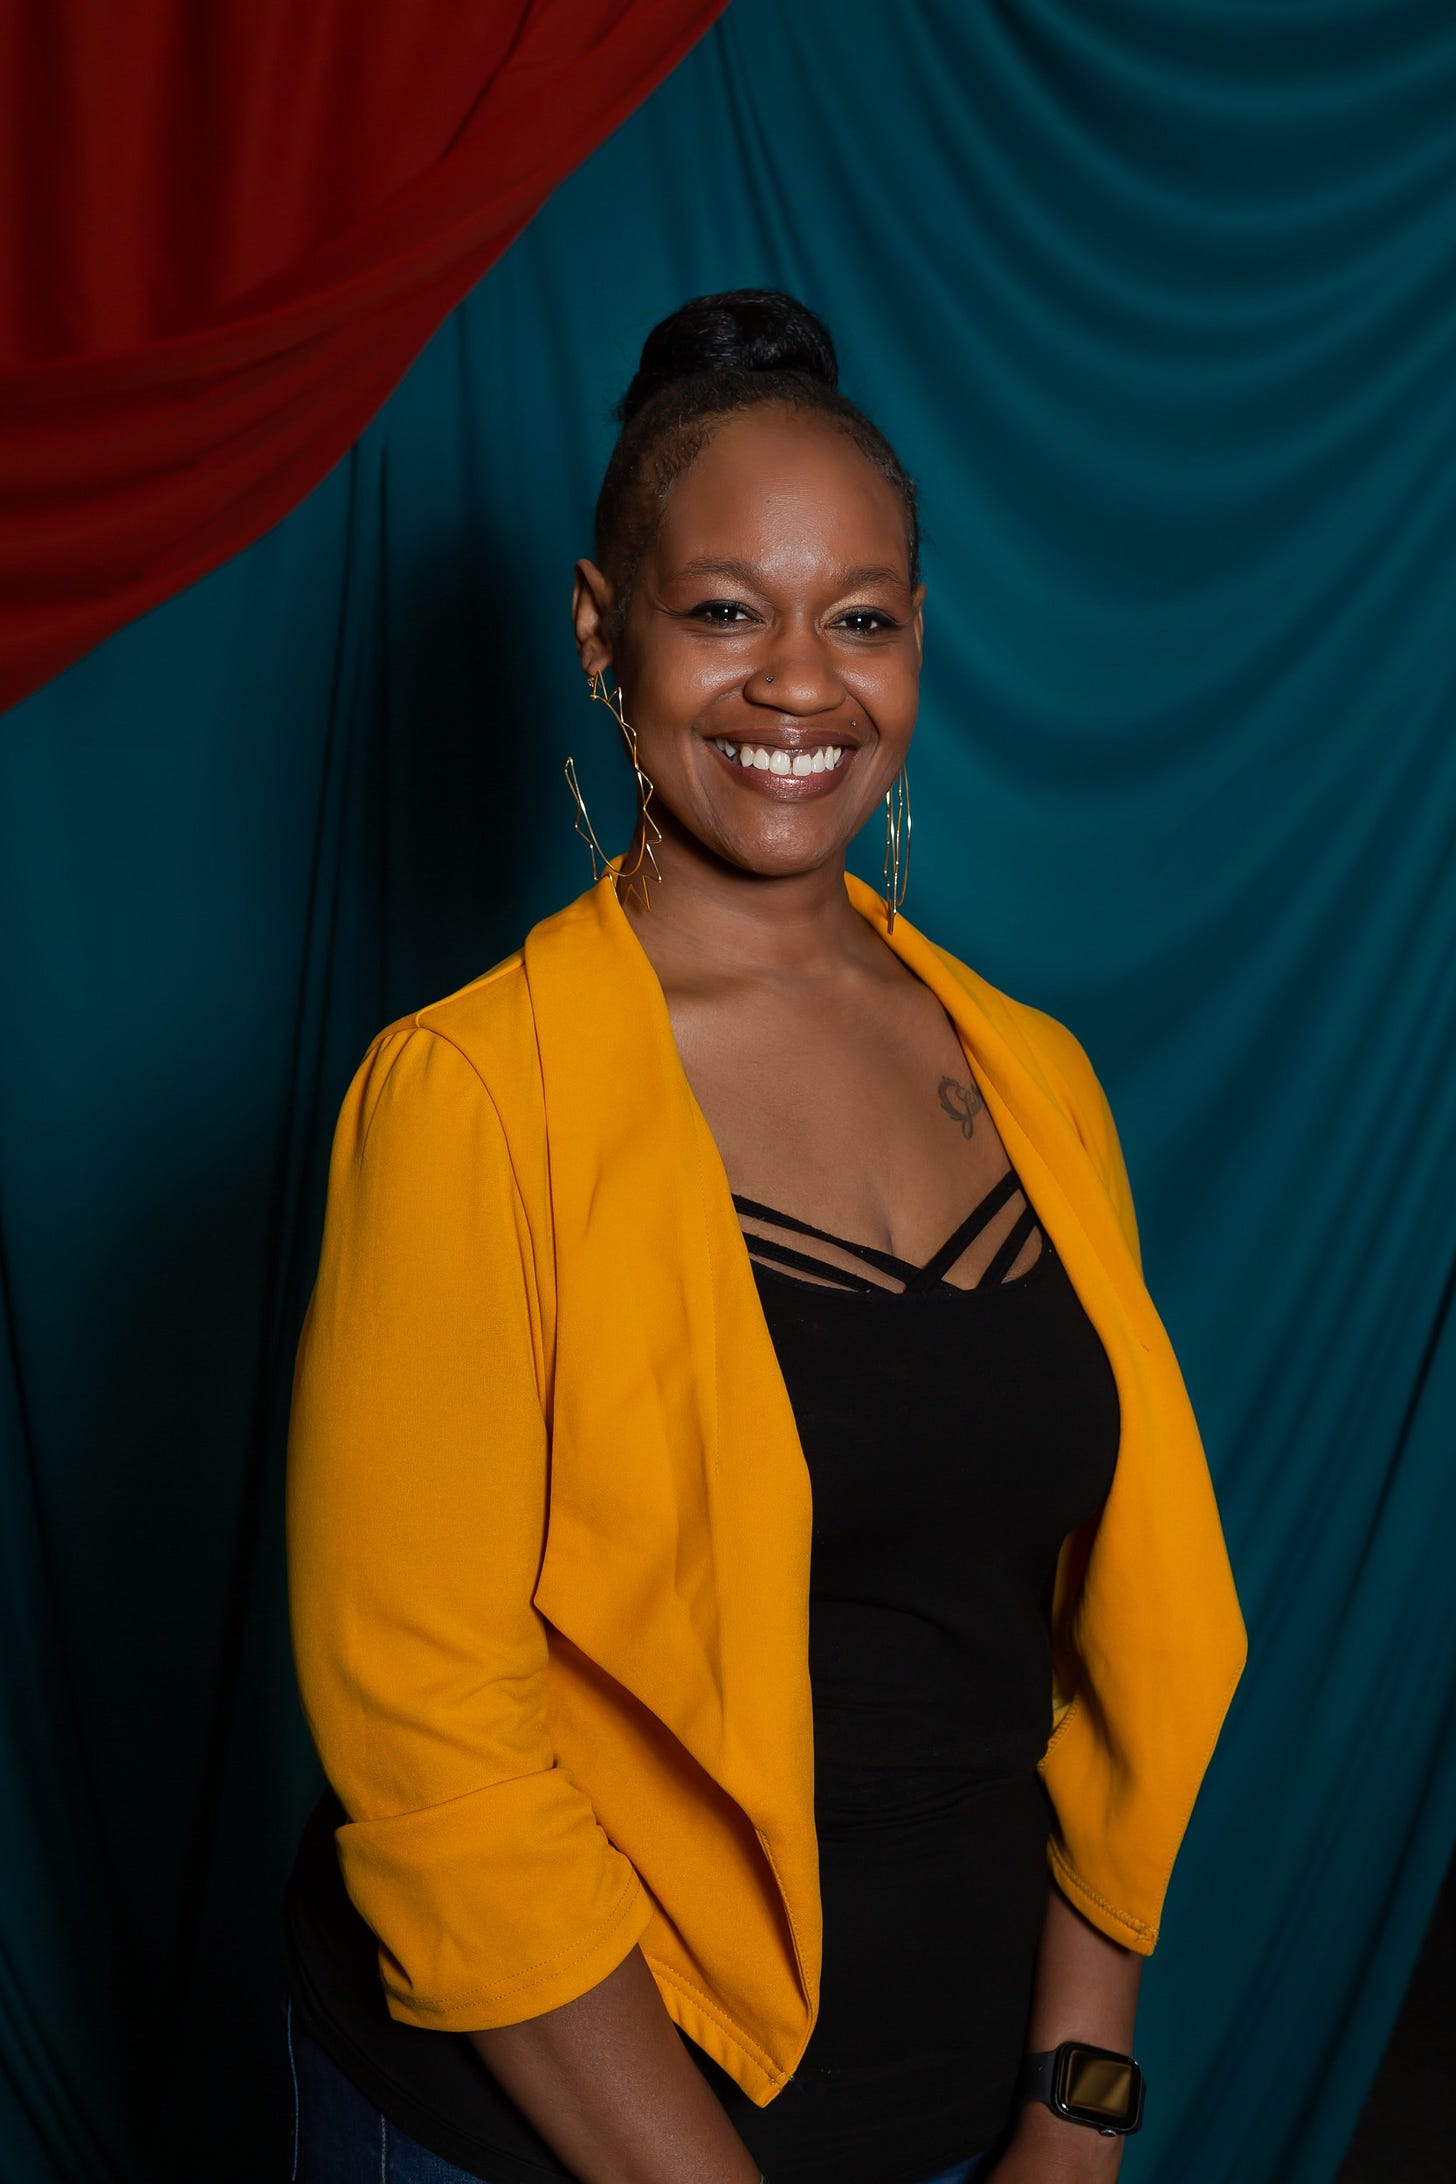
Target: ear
x: 918, y: 596
x: 593, y: 600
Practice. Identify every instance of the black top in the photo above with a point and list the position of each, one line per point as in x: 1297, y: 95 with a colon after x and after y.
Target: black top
x: 954, y: 1435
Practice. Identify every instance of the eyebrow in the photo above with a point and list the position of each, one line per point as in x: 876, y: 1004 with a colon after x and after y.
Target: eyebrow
x: 870, y: 573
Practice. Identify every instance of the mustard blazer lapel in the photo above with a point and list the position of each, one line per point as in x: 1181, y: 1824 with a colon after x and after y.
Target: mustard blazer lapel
x: 677, y: 1553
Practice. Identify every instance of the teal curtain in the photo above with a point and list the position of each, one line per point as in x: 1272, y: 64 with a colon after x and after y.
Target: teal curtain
x: 1157, y: 300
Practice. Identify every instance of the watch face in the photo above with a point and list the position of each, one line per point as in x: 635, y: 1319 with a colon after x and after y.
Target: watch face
x: 1097, y: 2086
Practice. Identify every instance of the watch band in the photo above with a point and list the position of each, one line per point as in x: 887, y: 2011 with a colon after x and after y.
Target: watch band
x: 1037, y: 2073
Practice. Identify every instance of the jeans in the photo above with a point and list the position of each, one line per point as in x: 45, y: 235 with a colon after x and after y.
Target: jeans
x: 339, y: 2137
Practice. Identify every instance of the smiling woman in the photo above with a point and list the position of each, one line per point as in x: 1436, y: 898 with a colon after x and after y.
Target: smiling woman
x: 756, y: 1588
x: 797, y: 655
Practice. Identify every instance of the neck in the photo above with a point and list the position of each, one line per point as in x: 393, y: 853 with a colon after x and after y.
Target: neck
x: 710, y: 918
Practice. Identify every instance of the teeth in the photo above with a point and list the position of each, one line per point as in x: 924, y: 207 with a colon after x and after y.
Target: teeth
x: 823, y: 759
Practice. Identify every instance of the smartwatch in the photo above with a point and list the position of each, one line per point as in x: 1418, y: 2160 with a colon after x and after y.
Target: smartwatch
x: 1086, y: 2084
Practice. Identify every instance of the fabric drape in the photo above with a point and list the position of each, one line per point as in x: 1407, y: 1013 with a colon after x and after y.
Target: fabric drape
x: 1158, y: 303
x: 224, y: 234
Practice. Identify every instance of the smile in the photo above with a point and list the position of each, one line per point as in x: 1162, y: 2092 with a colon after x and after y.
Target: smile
x: 766, y: 758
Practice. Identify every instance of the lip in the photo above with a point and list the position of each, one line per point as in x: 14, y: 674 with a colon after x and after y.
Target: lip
x: 788, y: 788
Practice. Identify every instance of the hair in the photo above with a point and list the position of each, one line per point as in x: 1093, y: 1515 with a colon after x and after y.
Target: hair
x: 711, y: 359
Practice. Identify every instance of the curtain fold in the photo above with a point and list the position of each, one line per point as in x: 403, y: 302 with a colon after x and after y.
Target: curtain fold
x: 226, y: 232
x: 1157, y: 302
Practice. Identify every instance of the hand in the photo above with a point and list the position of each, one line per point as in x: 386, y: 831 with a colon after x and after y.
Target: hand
x: 1046, y: 2149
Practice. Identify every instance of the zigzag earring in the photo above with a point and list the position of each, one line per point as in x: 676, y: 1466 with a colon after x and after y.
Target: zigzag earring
x: 897, y: 857
x: 647, y: 827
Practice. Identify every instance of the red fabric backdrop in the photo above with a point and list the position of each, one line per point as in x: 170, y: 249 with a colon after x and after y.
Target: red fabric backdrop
x: 226, y: 227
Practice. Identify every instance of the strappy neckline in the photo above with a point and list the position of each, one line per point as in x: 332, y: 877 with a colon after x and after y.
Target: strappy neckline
x: 777, y: 1257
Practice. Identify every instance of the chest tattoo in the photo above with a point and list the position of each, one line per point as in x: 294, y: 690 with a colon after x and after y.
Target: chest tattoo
x: 962, y: 1102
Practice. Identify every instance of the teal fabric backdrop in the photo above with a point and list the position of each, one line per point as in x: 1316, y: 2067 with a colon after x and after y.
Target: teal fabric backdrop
x: 1157, y: 299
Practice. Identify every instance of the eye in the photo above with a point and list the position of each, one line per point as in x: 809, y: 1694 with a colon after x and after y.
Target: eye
x: 867, y: 621
x: 720, y: 613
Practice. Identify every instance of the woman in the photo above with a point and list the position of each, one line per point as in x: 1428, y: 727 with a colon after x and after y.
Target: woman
x: 657, y: 1847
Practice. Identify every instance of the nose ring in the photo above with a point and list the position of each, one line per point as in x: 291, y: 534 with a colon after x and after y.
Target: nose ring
x: 768, y: 678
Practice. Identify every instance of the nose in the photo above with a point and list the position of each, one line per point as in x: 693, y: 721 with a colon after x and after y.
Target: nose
x: 795, y: 675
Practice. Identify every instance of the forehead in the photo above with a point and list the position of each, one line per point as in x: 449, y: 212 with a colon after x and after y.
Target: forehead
x: 782, y: 489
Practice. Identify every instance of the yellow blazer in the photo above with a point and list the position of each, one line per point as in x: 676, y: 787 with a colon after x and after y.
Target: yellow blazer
x: 548, y: 1514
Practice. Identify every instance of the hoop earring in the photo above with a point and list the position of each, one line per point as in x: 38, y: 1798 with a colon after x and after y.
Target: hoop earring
x: 647, y: 826
x: 897, y: 845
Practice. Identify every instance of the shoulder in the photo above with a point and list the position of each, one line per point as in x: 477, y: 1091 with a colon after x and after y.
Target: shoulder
x: 485, y: 1025
x: 492, y: 1020
x: 1053, y: 1053
x: 1043, y: 1041
x: 479, y: 1048
x: 1064, y: 1060
x: 1056, y: 1056
x: 485, y: 1020
x: 463, y: 1061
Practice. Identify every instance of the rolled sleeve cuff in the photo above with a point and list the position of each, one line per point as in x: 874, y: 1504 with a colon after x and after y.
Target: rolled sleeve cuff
x: 495, y: 1906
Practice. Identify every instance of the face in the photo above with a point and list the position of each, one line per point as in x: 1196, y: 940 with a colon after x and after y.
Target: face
x: 772, y: 620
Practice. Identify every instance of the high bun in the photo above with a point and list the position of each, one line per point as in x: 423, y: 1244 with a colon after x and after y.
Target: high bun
x: 748, y: 330
x: 713, y: 357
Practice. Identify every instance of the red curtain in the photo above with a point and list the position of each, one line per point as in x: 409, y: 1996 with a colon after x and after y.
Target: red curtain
x: 226, y: 228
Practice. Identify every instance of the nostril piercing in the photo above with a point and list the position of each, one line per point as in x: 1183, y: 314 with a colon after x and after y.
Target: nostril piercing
x: 768, y: 678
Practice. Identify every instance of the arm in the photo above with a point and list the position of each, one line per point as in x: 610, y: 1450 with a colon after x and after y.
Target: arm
x: 417, y: 1470
x: 416, y: 1498
x: 1086, y: 1989
x: 608, y: 2084
x: 1086, y: 1983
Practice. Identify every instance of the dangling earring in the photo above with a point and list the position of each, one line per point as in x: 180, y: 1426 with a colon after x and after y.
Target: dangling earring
x: 646, y: 825
x: 897, y: 845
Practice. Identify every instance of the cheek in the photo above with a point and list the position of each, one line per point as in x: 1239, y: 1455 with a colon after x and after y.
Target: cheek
x: 687, y: 669
x: 677, y: 688
x: 890, y: 689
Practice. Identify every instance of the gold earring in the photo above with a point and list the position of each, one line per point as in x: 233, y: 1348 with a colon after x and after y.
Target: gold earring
x: 646, y: 825
x: 897, y: 833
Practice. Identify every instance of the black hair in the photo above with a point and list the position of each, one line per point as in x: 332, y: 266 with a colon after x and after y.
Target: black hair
x: 713, y: 357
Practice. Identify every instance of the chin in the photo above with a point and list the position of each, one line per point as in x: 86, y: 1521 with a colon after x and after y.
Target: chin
x: 782, y: 860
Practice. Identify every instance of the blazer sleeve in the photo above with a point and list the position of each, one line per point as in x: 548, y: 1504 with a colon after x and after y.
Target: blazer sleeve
x: 416, y: 1513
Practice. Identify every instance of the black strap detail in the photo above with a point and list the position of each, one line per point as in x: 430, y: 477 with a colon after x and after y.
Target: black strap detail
x: 929, y: 1276
x: 970, y: 1228
x: 1010, y: 1248
x: 764, y: 1248
x: 884, y: 1260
